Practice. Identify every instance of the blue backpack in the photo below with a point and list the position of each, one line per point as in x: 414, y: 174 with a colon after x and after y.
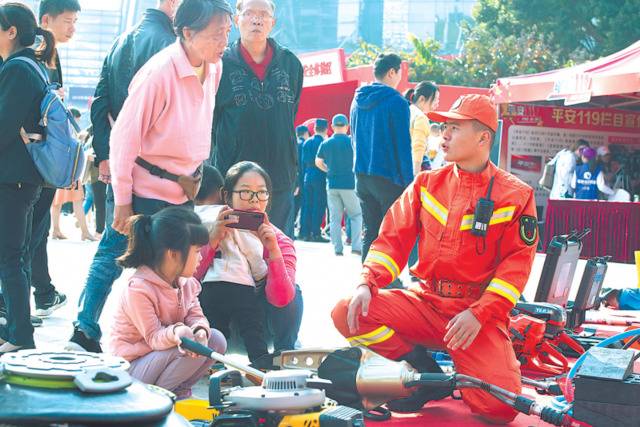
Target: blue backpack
x: 58, y: 156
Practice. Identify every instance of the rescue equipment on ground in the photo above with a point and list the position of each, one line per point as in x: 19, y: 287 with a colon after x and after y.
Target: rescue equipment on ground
x: 533, y: 350
x: 588, y: 297
x: 358, y: 375
x: 78, y: 388
x: 546, y: 354
x: 607, y: 392
x: 292, y: 398
x: 559, y: 267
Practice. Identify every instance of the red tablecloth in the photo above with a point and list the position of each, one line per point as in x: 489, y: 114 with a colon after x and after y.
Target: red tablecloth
x: 615, y: 226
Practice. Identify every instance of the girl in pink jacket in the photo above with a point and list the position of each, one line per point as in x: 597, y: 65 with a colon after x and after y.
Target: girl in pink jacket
x: 160, y: 305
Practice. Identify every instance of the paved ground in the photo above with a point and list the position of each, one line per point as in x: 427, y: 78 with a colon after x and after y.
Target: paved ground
x: 323, y: 277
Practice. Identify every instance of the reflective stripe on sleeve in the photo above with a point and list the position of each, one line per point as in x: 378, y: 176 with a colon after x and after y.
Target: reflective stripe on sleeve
x: 504, y: 289
x: 377, y: 257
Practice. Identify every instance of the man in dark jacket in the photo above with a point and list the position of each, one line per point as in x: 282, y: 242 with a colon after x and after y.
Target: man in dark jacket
x: 380, y: 126
x: 128, y: 54
x: 256, y: 106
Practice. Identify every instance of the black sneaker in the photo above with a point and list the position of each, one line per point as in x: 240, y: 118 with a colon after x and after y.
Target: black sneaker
x: 45, y: 310
x: 36, y: 322
x: 81, y: 342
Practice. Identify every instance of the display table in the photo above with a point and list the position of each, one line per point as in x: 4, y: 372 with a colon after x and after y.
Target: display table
x: 615, y: 226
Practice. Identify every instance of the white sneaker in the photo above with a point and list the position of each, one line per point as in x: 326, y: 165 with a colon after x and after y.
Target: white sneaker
x: 7, y: 347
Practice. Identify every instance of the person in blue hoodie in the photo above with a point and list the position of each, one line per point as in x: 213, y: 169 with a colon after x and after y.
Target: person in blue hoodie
x: 380, y: 126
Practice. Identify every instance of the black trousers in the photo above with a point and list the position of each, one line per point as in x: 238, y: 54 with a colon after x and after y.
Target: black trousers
x: 99, y: 189
x: 16, y: 216
x: 43, y: 289
x: 376, y: 196
x: 224, y: 302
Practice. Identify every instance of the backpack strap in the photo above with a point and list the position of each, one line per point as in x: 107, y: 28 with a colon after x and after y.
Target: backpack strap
x: 35, y: 66
x: 45, y: 79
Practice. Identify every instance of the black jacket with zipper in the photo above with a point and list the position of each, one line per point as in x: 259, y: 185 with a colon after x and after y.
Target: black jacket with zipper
x: 128, y: 54
x: 21, y: 92
x: 254, y: 120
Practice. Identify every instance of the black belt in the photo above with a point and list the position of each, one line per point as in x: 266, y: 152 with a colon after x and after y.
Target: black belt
x: 156, y: 171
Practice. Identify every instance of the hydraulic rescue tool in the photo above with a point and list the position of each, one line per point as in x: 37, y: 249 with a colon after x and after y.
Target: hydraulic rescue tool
x: 361, y: 378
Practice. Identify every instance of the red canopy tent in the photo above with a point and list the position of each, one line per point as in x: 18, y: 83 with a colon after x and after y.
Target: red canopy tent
x: 535, y: 123
x: 616, y: 75
x: 329, y: 86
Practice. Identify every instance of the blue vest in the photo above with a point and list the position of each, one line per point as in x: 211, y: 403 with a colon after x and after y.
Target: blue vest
x: 586, y: 184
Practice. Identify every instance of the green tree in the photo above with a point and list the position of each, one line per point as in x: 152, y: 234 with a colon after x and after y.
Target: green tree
x: 514, y: 37
x: 425, y: 64
x: 584, y: 29
x: 486, y: 57
x: 365, y: 54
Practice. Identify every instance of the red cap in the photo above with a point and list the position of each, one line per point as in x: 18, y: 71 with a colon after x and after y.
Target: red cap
x: 469, y: 107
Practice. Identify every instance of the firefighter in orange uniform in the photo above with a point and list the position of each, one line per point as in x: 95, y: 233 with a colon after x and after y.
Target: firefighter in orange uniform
x: 478, y: 233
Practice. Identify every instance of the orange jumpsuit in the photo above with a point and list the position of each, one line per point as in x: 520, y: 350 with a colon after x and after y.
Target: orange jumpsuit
x: 486, y: 275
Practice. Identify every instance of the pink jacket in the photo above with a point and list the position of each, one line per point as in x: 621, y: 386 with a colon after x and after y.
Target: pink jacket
x: 281, y: 277
x: 149, y: 310
x: 167, y: 121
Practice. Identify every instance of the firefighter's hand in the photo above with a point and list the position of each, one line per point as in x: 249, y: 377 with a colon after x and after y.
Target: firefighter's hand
x: 359, y: 305
x: 462, y: 330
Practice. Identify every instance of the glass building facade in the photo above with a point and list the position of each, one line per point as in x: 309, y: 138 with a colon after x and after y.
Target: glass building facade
x: 302, y: 26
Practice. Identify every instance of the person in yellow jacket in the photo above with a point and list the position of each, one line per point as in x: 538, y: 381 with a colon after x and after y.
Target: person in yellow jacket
x: 472, y: 267
x: 422, y: 99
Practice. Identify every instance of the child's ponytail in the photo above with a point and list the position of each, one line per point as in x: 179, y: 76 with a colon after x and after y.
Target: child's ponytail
x: 140, y: 249
x: 174, y: 228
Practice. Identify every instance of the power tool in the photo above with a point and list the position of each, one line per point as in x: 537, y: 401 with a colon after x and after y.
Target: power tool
x: 548, y: 357
x: 291, y: 398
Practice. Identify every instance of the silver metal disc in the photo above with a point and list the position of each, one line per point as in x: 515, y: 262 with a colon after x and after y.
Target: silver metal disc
x: 58, y: 364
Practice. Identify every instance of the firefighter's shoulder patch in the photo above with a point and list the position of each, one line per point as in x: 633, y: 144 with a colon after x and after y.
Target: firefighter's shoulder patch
x: 528, y: 229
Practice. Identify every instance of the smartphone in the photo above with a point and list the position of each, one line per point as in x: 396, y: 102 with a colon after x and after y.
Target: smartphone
x: 247, y: 220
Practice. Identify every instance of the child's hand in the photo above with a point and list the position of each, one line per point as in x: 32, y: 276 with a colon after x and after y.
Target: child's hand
x: 219, y: 230
x: 183, y: 331
x: 201, y: 337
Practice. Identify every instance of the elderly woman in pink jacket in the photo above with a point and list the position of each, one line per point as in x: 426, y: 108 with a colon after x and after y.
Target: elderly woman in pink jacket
x: 160, y: 305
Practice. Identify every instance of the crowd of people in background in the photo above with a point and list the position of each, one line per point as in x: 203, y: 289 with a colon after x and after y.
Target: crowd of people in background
x: 587, y: 173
